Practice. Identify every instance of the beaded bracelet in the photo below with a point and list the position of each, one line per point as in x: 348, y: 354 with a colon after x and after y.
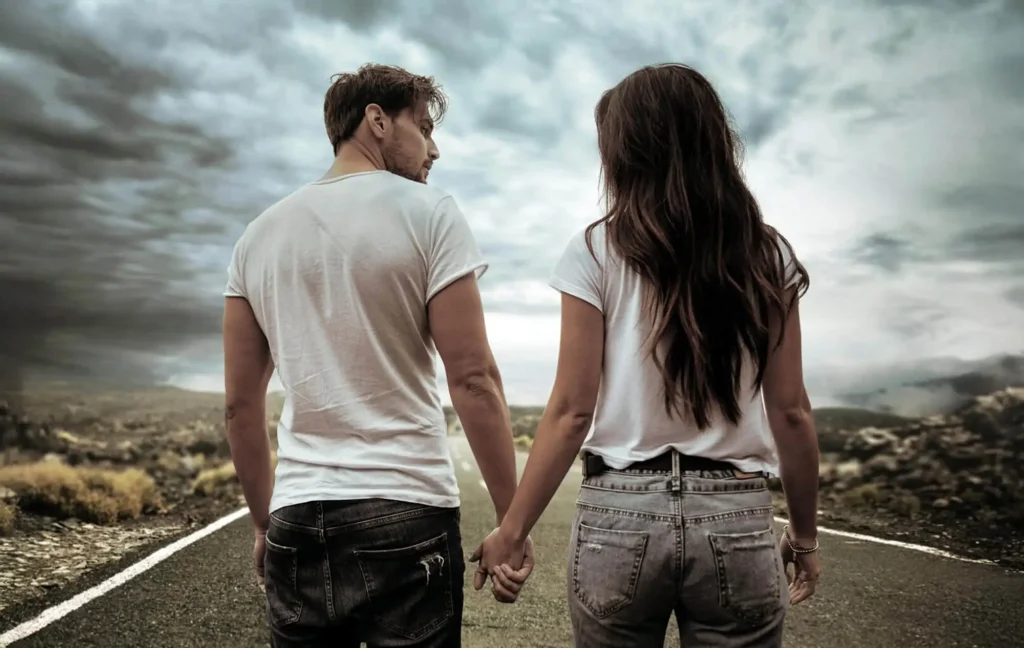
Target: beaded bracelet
x: 796, y: 549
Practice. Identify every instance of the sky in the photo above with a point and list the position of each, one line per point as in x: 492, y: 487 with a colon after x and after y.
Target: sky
x: 883, y: 138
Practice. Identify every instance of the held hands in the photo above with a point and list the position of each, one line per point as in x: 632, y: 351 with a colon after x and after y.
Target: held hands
x: 507, y: 562
x: 806, y: 567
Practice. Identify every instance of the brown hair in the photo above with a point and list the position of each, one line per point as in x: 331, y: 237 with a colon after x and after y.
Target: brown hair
x: 392, y: 88
x: 681, y: 216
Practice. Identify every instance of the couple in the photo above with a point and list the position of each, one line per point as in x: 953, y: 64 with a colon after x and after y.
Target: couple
x: 679, y: 378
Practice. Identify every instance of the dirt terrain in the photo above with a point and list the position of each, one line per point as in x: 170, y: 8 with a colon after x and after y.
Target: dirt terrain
x: 88, y: 476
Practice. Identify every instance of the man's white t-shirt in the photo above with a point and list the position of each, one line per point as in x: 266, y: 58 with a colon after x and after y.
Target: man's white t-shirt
x: 630, y: 422
x: 339, y: 274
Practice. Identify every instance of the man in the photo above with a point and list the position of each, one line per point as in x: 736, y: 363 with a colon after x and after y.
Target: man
x: 347, y: 286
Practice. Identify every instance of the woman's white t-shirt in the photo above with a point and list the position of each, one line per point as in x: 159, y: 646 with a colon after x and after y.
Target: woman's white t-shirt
x: 630, y: 421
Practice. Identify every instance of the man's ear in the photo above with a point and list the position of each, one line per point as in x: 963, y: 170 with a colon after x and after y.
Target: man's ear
x: 377, y: 120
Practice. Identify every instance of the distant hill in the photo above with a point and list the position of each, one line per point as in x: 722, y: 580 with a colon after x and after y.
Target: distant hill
x: 943, y: 394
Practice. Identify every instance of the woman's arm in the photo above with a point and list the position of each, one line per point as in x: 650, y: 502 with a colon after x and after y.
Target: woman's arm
x: 566, y: 420
x: 792, y: 425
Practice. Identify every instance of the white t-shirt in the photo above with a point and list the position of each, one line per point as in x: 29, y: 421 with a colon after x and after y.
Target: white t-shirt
x: 630, y: 422
x: 339, y: 274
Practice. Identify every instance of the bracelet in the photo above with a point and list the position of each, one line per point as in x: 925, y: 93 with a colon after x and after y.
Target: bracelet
x: 796, y: 549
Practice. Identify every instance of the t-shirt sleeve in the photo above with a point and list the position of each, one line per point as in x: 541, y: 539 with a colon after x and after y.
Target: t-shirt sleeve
x: 789, y: 270
x: 577, y: 273
x: 235, y: 287
x: 452, y: 250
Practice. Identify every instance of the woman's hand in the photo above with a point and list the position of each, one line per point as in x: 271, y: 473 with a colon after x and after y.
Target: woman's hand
x: 508, y: 563
x: 806, y: 569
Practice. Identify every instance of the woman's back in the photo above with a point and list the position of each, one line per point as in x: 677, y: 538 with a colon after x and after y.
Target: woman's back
x: 631, y: 422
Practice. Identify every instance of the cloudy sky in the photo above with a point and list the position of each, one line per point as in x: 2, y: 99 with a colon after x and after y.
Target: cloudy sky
x: 884, y: 138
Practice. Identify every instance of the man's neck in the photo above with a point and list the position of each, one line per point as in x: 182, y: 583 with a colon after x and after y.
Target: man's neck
x: 352, y: 158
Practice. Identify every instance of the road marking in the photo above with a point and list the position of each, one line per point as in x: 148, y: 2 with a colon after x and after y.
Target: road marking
x: 57, y: 612
x: 896, y: 543
x: 466, y: 466
x: 482, y: 483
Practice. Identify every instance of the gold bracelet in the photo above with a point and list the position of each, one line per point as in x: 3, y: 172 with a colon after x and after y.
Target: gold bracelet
x: 793, y: 547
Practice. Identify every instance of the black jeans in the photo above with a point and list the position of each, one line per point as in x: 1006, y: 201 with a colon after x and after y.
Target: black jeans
x: 379, y: 572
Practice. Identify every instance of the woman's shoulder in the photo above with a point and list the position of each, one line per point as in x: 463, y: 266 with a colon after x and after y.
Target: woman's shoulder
x: 591, y: 240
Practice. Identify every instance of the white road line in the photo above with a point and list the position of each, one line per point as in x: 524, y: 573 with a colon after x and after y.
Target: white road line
x: 482, y: 483
x: 57, y: 612
x: 896, y: 543
x: 466, y: 466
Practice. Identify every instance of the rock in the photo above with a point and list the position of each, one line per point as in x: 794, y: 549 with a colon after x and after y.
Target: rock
x: 868, y: 442
x: 967, y: 465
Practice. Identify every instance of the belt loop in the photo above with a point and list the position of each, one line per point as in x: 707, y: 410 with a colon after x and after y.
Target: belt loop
x: 677, y: 477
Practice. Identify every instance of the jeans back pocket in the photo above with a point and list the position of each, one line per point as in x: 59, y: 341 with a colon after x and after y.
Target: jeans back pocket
x: 749, y: 569
x: 606, y: 568
x: 409, y: 588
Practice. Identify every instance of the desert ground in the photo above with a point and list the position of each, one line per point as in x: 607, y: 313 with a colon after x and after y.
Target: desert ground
x: 88, y: 476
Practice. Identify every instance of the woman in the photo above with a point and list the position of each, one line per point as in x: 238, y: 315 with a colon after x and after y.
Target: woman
x: 679, y: 374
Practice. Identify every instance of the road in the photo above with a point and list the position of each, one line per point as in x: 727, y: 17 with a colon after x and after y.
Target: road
x: 872, y: 595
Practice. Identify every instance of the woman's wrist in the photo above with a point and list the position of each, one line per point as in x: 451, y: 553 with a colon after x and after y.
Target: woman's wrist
x: 801, y: 541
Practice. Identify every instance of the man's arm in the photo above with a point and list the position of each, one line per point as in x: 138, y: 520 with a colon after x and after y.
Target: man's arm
x: 456, y: 318
x: 247, y: 370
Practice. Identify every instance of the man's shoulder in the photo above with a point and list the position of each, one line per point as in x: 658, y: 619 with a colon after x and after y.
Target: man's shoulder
x: 414, y: 193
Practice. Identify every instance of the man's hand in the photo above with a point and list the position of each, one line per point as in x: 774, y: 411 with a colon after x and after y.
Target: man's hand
x: 509, y: 564
x: 259, y: 554
x: 806, y: 570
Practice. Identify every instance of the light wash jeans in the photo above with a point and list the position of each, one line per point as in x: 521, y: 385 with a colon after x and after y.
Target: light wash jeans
x: 698, y: 543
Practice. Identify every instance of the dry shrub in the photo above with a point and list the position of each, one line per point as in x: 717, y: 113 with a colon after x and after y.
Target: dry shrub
x: 217, y: 480
x: 7, y: 514
x: 214, y: 480
x: 863, y: 496
x: 523, y: 441
x: 89, y: 494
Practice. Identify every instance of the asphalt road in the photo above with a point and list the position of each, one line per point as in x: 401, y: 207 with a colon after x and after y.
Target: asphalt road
x: 872, y: 595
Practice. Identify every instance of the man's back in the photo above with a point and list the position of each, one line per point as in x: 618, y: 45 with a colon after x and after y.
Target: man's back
x: 338, y: 275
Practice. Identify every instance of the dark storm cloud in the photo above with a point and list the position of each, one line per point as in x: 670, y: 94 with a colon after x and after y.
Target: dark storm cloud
x: 102, y: 199
x: 466, y: 35
x: 1015, y: 295
x: 993, y: 243
x: 459, y: 31
x: 886, y: 251
x: 509, y: 114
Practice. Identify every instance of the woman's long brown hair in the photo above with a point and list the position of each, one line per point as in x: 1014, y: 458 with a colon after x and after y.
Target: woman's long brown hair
x: 680, y: 215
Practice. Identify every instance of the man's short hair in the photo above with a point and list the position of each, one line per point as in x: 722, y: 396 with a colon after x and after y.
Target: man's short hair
x: 392, y: 88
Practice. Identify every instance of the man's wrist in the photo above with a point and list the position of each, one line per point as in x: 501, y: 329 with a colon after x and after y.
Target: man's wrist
x: 261, y: 523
